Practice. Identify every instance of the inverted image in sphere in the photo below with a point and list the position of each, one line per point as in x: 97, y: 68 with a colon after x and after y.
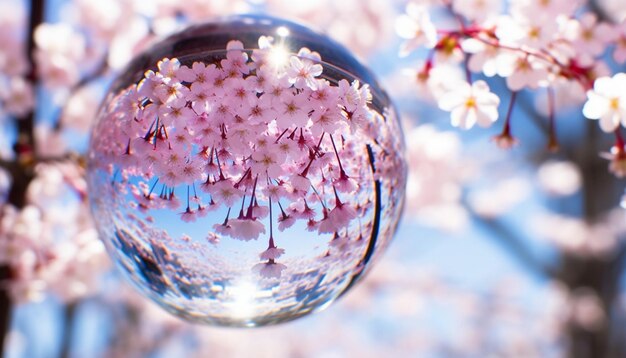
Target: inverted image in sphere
x: 246, y: 171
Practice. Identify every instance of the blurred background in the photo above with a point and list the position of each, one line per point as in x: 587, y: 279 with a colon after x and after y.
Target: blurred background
x: 501, y: 253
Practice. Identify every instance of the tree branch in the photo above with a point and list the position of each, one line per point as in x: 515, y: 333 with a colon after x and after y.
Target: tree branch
x: 510, y: 241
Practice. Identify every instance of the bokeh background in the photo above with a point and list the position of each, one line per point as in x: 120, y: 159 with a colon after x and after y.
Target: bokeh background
x: 501, y: 253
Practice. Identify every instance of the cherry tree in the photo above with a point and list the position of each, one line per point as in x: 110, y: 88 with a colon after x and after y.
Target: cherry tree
x: 552, y: 65
x: 564, y: 53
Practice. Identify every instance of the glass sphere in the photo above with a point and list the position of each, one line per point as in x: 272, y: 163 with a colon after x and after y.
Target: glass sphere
x: 246, y: 171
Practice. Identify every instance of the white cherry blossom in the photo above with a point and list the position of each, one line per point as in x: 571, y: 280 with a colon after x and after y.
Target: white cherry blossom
x: 416, y: 27
x: 606, y: 102
x: 471, y: 104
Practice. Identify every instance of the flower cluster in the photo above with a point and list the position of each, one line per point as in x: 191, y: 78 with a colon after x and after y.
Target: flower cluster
x: 16, y: 93
x: 51, y: 245
x: 259, y: 134
x: 437, y: 176
x: 361, y: 25
x: 551, y: 45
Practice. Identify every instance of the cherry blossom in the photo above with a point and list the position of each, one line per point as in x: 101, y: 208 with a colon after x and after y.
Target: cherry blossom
x: 416, y: 27
x: 271, y: 253
x: 590, y: 37
x: 65, y: 262
x: 80, y: 109
x: 471, y: 104
x: 18, y: 97
x: 437, y: 174
x: 303, y: 72
x: 224, y: 191
x: 246, y: 229
x: 525, y: 71
x: 559, y: 177
x: 551, y: 7
x: 12, y: 55
x: 520, y: 29
x: 486, y: 58
x: 188, y: 215
x: 60, y: 48
x: 607, y: 103
x: 338, y: 218
x: 360, y: 25
x: 477, y: 10
x: 269, y: 269
x: 620, y: 45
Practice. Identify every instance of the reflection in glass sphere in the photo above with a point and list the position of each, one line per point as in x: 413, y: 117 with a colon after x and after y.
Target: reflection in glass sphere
x: 246, y: 172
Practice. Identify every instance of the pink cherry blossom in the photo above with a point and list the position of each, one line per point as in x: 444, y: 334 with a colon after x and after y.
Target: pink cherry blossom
x: 188, y: 216
x: 300, y: 182
x: 325, y: 120
x: 477, y: 10
x: 620, y: 46
x: 236, y: 59
x: 286, y: 221
x: 271, y: 253
x: 60, y: 48
x: 17, y: 97
x: 359, y: 25
x: 199, y: 73
x: 224, y: 191
x: 267, y: 162
x: 302, y: 72
x: 535, y: 31
x: 338, y: 218
x: 170, y: 90
x: 80, y: 110
x: 190, y: 172
x: 168, y: 67
x: 550, y: 8
x: 292, y: 110
x: 246, y: 229
x: 269, y: 269
x: 591, y: 37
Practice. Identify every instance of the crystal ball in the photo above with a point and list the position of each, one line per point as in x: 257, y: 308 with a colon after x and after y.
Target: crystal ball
x: 246, y: 171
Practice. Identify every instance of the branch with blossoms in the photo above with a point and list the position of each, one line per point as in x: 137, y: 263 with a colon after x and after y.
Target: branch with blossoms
x: 555, y: 47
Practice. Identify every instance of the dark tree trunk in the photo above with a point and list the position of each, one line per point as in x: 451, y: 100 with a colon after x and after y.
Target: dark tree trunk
x: 21, y: 169
x: 601, y: 191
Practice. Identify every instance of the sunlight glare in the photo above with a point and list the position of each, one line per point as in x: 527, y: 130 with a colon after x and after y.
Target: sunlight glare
x: 278, y: 56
